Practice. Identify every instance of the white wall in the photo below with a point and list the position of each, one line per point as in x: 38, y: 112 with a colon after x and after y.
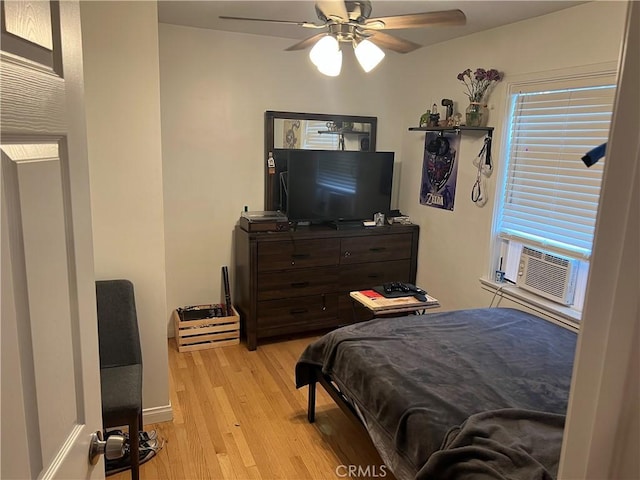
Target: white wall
x: 215, y: 89
x: 216, y: 86
x: 602, y: 431
x: 120, y: 42
x: 454, y: 246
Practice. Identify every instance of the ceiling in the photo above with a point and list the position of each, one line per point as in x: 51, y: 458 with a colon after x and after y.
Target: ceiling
x: 481, y: 15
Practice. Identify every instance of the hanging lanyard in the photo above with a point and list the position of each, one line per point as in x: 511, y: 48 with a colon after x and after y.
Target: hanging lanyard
x: 483, y: 162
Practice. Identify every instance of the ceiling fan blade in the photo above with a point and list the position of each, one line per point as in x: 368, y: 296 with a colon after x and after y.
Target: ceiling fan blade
x: 306, y: 43
x: 417, y: 20
x: 290, y: 22
x: 396, y: 44
x: 333, y: 8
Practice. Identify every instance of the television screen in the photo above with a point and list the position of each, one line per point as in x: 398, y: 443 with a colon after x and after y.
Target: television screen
x: 338, y: 185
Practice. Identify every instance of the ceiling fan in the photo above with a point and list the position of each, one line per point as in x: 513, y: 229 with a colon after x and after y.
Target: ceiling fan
x: 348, y: 21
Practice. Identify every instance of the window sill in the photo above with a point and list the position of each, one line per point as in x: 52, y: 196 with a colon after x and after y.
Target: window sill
x: 566, y: 316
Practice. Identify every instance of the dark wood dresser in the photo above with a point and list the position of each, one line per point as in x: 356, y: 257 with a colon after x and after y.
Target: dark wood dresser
x: 299, y: 281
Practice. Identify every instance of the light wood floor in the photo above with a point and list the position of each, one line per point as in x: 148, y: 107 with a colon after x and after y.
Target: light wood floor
x: 238, y: 415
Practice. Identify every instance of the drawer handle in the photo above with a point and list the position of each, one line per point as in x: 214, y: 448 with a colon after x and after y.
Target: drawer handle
x: 297, y: 311
x: 377, y: 249
x: 373, y: 275
x: 299, y: 284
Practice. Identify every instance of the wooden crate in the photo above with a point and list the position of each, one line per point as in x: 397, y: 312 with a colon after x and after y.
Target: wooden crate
x: 205, y: 333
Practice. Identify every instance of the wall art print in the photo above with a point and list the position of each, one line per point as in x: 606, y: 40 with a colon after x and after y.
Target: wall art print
x: 291, y: 134
x: 440, y: 170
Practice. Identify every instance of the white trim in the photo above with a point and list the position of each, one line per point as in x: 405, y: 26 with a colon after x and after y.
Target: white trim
x: 157, y: 414
x: 563, y: 316
x: 593, y: 70
x: 601, y: 437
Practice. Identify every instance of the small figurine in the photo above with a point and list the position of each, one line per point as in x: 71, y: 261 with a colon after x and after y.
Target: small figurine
x: 424, y: 119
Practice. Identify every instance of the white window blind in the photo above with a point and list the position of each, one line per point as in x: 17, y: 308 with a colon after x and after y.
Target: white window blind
x: 312, y: 140
x: 550, y: 196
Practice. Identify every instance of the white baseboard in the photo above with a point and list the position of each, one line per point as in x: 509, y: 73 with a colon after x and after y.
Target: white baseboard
x: 157, y: 414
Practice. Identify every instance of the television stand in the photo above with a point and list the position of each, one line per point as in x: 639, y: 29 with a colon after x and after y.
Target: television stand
x: 298, y: 281
x: 346, y: 224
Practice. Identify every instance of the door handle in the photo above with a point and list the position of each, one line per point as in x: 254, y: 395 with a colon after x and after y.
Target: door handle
x: 112, y: 448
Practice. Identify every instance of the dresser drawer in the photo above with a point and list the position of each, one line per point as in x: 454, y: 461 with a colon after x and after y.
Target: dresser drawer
x: 298, y: 254
x: 367, y: 275
x: 375, y: 248
x: 276, y: 317
x: 297, y: 283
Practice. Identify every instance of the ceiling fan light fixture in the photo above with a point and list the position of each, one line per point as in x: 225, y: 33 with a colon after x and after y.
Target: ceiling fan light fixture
x: 350, y: 21
x: 331, y: 65
x: 369, y: 55
x: 324, y: 50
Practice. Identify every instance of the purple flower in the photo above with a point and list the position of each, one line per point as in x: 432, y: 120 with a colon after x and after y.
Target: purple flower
x: 493, y: 75
x: 480, y: 74
x: 478, y: 84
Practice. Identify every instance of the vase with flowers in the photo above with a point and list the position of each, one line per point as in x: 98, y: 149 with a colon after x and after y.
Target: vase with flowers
x: 477, y: 84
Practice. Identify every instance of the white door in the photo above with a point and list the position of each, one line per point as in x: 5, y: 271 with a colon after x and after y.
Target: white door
x: 50, y: 378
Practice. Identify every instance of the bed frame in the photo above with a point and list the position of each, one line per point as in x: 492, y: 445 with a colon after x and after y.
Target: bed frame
x: 336, y: 395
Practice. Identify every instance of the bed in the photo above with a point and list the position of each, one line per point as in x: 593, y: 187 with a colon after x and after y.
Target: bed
x: 478, y: 393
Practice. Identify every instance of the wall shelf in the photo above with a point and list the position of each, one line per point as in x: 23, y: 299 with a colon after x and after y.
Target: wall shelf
x: 461, y: 128
x: 457, y: 130
x: 343, y: 132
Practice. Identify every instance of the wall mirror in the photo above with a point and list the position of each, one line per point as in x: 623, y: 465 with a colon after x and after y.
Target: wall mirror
x: 310, y: 131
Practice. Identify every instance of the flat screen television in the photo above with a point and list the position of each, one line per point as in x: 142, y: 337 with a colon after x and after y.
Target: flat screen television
x: 334, y: 186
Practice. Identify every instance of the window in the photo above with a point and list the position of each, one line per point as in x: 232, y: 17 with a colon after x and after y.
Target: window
x: 550, y: 198
x: 312, y: 140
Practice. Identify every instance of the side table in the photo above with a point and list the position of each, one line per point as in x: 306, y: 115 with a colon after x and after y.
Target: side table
x: 380, y: 305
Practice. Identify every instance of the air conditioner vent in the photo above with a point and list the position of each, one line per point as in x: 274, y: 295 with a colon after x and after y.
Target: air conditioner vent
x: 547, y: 275
x: 532, y: 253
x: 563, y: 262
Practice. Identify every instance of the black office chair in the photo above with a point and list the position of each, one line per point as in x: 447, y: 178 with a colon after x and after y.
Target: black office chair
x: 120, y: 362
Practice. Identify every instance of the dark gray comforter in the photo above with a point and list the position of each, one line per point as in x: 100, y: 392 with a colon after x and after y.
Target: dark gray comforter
x: 499, y: 444
x: 414, y: 378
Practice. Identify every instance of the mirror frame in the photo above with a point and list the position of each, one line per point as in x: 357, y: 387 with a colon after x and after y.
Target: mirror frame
x: 270, y: 183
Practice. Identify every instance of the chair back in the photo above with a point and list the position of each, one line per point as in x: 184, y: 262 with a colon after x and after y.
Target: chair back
x: 118, y: 334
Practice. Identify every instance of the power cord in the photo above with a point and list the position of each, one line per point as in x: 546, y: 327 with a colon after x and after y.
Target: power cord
x: 284, y: 191
x: 495, y: 294
x: 499, y: 290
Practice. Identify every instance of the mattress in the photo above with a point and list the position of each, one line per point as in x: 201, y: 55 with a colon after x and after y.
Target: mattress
x: 415, y: 379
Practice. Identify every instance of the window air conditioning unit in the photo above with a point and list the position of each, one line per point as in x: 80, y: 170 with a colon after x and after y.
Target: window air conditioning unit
x: 547, y: 275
